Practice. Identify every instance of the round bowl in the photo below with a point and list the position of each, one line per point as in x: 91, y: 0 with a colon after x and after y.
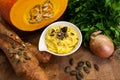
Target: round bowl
x: 42, y: 45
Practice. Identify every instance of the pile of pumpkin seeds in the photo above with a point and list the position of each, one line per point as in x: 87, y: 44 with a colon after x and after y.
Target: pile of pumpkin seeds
x: 40, y: 12
x: 17, y: 53
x: 83, y: 67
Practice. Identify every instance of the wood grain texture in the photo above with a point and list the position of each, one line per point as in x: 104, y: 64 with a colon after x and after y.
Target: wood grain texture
x: 109, y: 68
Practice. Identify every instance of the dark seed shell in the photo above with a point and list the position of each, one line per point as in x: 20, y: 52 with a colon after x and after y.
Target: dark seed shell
x: 10, y: 50
x: 64, y: 29
x: 88, y: 64
x: 27, y: 58
x: 78, y: 77
x: 51, y: 34
x: 96, y: 67
x: 17, y: 60
x: 73, y: 72
x: 71, y: 61
x: 67, y: 69
x: 78, y: 68
x: 86, y: 69
x: 13, y: 44
x: 80, y: 63
x: 81, y: 74
x: 19, y: 53
x: 25, y: 53
x: 21, y: 48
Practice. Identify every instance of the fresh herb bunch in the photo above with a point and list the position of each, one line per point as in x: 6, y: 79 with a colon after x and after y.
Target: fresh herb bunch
x: 93, y: 15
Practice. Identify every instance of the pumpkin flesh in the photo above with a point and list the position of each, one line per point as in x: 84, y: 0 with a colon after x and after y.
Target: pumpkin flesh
x: 19, y: 13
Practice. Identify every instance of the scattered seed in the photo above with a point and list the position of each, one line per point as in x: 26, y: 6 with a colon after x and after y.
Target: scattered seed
x: 78, y: 68
x: 88, y: 64
x: 16, y: 56
x: 22, y: 60
x: 73, y: 72
x: 81, y: 74
x: 27, y: 58
x: 52, y: 31
x: 80, y: 63
x: 17, y: 60
x: 72, y: 33
x: 23, y: 45
x: 78, y: 77
x: 71, y: 61
x: 25, y: 53
x: 96, y: 67
x: 21, y: 48
x: 67, y: 69
x: 13, y: 44
x: 5, y: 32
x: 86, y: 69
x: 19, y: 53
x: 16, y: 37
x: 64, y: 29
x: 10, y: 50
x: 51, y: 34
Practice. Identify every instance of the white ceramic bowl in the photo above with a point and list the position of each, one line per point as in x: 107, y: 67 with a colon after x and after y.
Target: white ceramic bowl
x: 42, y: 45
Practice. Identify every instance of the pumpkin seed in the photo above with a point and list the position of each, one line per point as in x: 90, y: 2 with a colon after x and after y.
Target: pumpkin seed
x: 16, y: 37
x: 67, y: 69
x: 10, y: 50
x: 72, y: 33
x: 78, y: 68
x: 60, y: 35
x: 88, y: 64
x: 22, y: 60
x: 13, y: 45
x: 96, y: 67
x: 39, y: 12
x: 51, y: 34
x: 64, y: 29
x: 86, y: 69
x: 25, y: 53
x: 5, y: 32
x: 17, y: 60
x: 19, y: 53
x: 21, y: 48
x: 73, y: 72
x: 71, y: 61
x: 80, y: 63
x: 79, y: 75
x: 27, y: 58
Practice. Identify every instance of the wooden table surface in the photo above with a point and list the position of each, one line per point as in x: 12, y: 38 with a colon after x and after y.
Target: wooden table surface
x: 109, y: 68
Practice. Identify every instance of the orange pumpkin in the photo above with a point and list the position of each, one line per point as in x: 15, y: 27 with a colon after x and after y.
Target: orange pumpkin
x: 30, y: 15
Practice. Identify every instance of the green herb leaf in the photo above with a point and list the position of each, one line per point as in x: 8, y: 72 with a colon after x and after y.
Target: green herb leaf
x: 92, y: 15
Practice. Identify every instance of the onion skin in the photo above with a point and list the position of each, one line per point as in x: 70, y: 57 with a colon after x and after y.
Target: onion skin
x: 101, y: 45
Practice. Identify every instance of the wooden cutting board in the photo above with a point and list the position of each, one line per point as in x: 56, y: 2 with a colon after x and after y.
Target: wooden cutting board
x: 109, y: 68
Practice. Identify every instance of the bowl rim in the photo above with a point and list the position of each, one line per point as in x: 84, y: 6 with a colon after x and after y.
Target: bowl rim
x: 42, y: 38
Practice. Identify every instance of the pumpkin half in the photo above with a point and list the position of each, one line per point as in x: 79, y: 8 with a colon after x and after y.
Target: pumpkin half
x: 30, y: 15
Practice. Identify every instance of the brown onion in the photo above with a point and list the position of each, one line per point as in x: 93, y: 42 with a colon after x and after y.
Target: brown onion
x: 101, y: 45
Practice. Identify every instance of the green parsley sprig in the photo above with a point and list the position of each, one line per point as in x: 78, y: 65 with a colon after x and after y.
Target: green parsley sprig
x: 93, y: 15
